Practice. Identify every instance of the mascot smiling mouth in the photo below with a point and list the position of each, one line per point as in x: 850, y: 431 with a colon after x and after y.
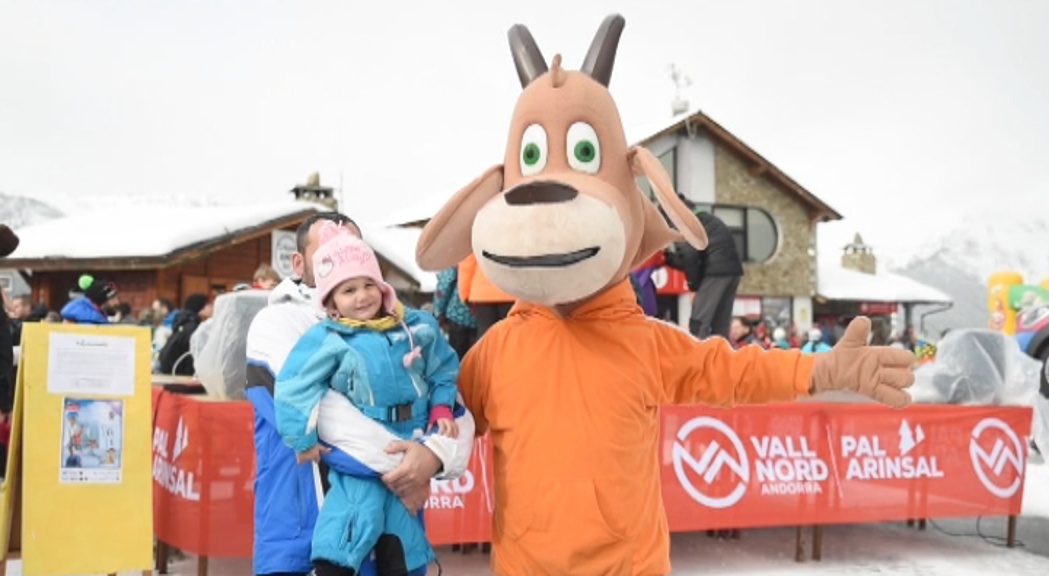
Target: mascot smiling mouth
x: 544, y: 261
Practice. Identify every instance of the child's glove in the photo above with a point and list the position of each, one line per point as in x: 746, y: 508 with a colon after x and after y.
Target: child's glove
x: 876, y: 371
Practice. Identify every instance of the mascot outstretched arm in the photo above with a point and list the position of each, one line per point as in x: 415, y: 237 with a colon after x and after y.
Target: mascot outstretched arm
x: 570, y: 384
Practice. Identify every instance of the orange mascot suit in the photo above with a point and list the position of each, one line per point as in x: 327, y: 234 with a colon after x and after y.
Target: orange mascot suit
x: 570, y: 384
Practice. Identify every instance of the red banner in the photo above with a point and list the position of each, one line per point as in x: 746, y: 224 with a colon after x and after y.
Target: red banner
x: 669, y: 281
x: 775, y: 465
x: 839, y: 463
x: 203, y: 474
x: 460, y: 511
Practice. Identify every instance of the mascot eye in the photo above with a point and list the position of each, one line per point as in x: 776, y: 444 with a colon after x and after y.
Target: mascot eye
x: 533, y: 150
x: 584, y: 149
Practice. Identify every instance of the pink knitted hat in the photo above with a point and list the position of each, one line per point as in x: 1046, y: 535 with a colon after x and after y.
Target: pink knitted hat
x: 342, y: 256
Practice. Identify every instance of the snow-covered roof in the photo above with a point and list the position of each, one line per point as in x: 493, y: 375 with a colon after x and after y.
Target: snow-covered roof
x: 837, y: 283
x: 148, y: 231
x: 644, y: 134
x: 641, y: 133
x: 145, y: 231
x: 397, y: 244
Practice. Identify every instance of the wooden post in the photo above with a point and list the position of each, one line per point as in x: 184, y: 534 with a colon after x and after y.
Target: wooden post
x: 163, y: 550
x: 921, y: 524
x: 817, y: 542
x: 202, y: 566
x: 799, y: 545
x: 1010, y: 536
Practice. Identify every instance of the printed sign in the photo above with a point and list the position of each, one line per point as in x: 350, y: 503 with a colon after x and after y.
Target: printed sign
x: 282, y: 248
x: 92, y: 441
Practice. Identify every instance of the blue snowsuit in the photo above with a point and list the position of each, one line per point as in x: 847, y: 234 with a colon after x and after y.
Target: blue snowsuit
x: 366, y: 365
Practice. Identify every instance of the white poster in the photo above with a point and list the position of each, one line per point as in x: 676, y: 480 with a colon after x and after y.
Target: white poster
x: 282, y: 248
x: 92, y: 441
x: 90, y: 364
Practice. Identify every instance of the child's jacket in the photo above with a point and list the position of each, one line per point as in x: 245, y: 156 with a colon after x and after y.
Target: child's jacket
x: 367, y: 366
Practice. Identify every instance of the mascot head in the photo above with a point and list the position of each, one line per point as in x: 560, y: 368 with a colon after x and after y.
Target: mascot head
x: 562, y: 218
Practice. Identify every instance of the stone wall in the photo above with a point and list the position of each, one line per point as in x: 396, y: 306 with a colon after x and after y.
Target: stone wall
x: 790, y: 271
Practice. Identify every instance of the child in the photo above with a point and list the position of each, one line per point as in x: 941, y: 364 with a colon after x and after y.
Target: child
x: 265, y: 278
x: 397, y: 368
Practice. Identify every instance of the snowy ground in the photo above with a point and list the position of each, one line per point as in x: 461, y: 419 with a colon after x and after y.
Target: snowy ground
x: 948, y: 547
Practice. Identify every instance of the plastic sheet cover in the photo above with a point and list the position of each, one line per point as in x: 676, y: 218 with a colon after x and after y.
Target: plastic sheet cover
x: 219, y: 345
x: 979, y: 366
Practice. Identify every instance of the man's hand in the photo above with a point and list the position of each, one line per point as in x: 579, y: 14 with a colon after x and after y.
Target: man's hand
x: 879, y: 372
x: 312, y: 455
x: 410, y: 480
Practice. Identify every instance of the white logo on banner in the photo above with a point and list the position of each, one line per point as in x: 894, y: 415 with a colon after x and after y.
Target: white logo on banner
x: 710, y: 464
x: 166, y: 470
x: 910, y: 438
x: 1000, y: 455
x: 866, y: 458
x: 660, y: 278
x: 181, y: 440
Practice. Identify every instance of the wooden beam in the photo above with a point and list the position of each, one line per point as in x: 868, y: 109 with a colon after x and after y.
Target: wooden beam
x: 758, y: 169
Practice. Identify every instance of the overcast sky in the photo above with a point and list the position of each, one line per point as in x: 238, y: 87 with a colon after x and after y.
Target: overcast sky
x: 902, y: 115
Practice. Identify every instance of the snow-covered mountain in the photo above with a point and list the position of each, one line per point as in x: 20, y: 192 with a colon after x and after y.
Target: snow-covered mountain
x: 960, y: 262
x: 19, y: 211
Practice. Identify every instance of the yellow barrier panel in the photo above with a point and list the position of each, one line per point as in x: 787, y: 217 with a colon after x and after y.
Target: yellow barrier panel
x: 87, y: 491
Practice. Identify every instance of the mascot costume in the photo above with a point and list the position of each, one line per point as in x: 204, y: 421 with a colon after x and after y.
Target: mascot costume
x: 570, y: 384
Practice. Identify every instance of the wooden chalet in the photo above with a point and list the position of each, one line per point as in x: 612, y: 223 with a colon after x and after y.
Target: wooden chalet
x: 152, y: 252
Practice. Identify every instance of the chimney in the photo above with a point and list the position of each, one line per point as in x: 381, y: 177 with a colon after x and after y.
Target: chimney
x: 312, y: 191
x: 859, y: 257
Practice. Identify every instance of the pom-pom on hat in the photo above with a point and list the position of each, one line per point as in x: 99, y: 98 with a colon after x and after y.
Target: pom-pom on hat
x: 342, y: 256
x: 97, y: 291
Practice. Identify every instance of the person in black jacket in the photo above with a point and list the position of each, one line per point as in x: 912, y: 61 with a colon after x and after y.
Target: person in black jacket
x: 713, y: 274
x: 174, y: 357
x: 8, y: 243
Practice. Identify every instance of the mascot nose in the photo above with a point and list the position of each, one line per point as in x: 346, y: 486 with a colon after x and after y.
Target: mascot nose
x: 540, y: 193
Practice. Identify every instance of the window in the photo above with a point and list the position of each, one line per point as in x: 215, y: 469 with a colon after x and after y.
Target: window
x: 761, y: 235
x: 753, y: 229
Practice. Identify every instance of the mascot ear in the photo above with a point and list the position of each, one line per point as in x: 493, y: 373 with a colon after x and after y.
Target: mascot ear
x: 657, y: 234
x: 446, y: 239
x: 643, y: 163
